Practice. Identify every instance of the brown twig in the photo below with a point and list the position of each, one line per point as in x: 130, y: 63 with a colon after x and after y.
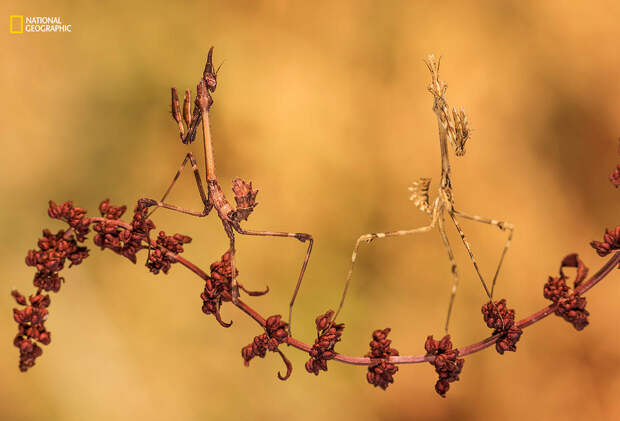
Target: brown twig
x: 537, y: 316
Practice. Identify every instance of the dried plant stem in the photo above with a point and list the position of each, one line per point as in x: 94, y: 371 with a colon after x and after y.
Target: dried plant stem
x: 611, y: 264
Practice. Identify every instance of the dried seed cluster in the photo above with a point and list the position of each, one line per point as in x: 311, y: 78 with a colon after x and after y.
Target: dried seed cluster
x: 160, y: 258
x: 215, y: 285
x: 502, y: 320
x: 126, y: 242
x: 610, y: 243
x: 275, y: 334
x: 218, y: 288
x: 323, y: 349
x: 54, y: 250
x: 75, y: 217
x: 381, y: 374
x: 569, y: 304
x: 49, y: 260
x: 30, y: 328
x: 446, y: 363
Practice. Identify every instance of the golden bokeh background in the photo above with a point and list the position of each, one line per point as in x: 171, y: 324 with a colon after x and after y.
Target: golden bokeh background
x: 323, y: 105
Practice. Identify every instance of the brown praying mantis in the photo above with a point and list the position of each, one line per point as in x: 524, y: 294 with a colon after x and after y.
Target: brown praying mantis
x: 214, y: 197
x: 453, y: 128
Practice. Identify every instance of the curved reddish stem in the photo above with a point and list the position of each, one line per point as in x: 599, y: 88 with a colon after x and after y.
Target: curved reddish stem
x: 607, y: 268
x: 611, y: 264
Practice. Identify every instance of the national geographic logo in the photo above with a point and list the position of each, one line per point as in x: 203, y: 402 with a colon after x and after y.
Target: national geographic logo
x: 18, y: 24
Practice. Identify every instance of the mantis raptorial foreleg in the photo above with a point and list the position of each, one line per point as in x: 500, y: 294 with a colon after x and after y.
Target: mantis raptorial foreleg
x: 207, y: 206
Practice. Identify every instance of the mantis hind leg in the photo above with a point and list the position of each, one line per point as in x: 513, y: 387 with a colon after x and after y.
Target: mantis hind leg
x: 299, y: 236
x: 502, y: 225
x: 455, y: 275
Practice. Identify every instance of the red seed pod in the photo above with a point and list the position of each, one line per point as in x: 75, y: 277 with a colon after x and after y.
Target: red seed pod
x: 45, y: 338
x: 19, y: 298
x: 103, y: 206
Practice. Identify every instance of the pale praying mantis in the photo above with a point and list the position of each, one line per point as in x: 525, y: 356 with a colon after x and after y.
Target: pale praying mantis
x: 453, y: 128
x: 214, y: 198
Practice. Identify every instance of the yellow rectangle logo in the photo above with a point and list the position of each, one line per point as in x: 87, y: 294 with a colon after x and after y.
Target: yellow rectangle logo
x: 19, y: 20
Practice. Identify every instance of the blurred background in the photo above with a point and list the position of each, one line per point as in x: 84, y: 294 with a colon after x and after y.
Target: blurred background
x: 324, y: 107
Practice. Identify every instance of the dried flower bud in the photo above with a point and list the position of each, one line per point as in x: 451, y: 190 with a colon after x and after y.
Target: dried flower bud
x: 31, y: 327
x: 275, y: 334
x: 447, y: 365
x: 382, y: 373
x: 568, y: 302
x: 75, y: 217
x: 611, y: 242
x: 501, y: 319
x: 20, y: 299
x: 323, y: 349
